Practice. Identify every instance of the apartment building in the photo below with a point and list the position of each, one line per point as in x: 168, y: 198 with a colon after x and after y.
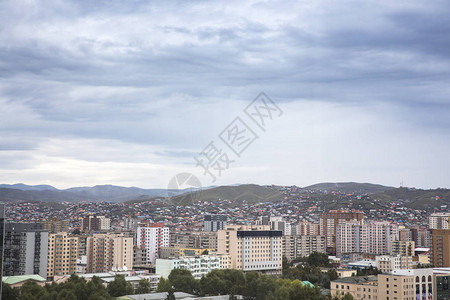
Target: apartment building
x: 438, y: 221
x: 139, y: 257
x: 25, y: 249
x: 306, y: 228
x: 152, y: 236
x: 199, y: 266
x: 96, y: 223
x: 62, y: 254
x: 403, y: 248
x: 361, y: 287
x: 302, y: 245
x: 252, y: 248
x: 421, y: 237
x: 440, y: 250
x: 194, y: 239
x: 214, y: 222
x: 55, y: 225
x: 330, y: 220
x: 373, y: 238
x: 107, y: 252
x: 388, y: 263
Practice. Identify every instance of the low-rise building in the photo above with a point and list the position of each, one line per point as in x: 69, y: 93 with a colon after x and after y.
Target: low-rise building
x: 198, y: 265
x: 387, y: 263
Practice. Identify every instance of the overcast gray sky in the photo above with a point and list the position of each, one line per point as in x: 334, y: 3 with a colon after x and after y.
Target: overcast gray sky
x: 127, y: 93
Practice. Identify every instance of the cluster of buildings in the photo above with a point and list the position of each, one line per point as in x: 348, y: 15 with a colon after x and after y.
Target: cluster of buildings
x: 141, y: 248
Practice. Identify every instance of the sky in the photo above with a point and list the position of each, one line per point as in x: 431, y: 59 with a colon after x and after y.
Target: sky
x: 131, y: 93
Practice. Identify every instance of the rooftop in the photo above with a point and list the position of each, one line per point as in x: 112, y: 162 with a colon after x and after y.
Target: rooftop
x: 357, y: 279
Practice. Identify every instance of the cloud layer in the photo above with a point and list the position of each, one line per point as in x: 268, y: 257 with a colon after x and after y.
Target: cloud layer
x: 127, y: 93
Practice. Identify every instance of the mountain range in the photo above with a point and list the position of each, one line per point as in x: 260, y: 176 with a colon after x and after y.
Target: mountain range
x: 414, y: 198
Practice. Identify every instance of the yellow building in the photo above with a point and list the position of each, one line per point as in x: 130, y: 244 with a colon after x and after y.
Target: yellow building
x: 403, y: 248
x: 62, y: 254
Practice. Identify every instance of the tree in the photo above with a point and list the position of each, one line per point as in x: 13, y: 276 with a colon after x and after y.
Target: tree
x: 117, y: 287
x: 205, y: 252
x: 170, y: 295
x: 164, y: 285
x: 183, y: 281
x: 143, y: 287
x: 317, y: 259
x: 10, y: 293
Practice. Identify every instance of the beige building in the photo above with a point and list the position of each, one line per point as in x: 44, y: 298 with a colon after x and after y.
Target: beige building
x: 387, y: 263
x: 107, y: 252
x: 62, y: 254
x: 252, y: 248
x: 361, y: 287
x: 403, y: 248
x: 439, y: 221
x: 409, y: 284
x: 302, y: 245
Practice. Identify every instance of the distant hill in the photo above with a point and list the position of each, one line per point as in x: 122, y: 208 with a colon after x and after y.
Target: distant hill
x: 416, y: 198
x: 14, y: 195
x: 252, y: 193
x: 22, y: 192
x: 25, y: 187
x: 350, y: 187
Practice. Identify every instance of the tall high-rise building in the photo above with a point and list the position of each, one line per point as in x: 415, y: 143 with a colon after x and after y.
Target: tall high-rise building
x: 96, y: 223
x: 107, y: 252
x: 440, y: 250
x: 62, y: 254
x: 25, y: 250
x: 330, y: 220
x: 214, y: 222
x: 252, y: 248
x: 439, y: 221
x: 55, y: 225
x: 405, y: 234
x: 152, y: 236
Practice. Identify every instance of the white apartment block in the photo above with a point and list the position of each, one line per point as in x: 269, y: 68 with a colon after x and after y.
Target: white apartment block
x: 438, y: 221
x: 199, y: 266
x: 152, y: 236
x: 302, y: 245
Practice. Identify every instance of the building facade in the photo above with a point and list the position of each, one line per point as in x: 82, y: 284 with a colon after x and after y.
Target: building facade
x: 440, y: 250
x: 25, y: 249
x: 152, y: 236
x: 62, y: 254
x: 330, y: 220
x: 438, y: 221
x: 107, y: 252
x: 252, y: 248
x: 199, y: 266
x: 302, y: 245
x: 214, y: 222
